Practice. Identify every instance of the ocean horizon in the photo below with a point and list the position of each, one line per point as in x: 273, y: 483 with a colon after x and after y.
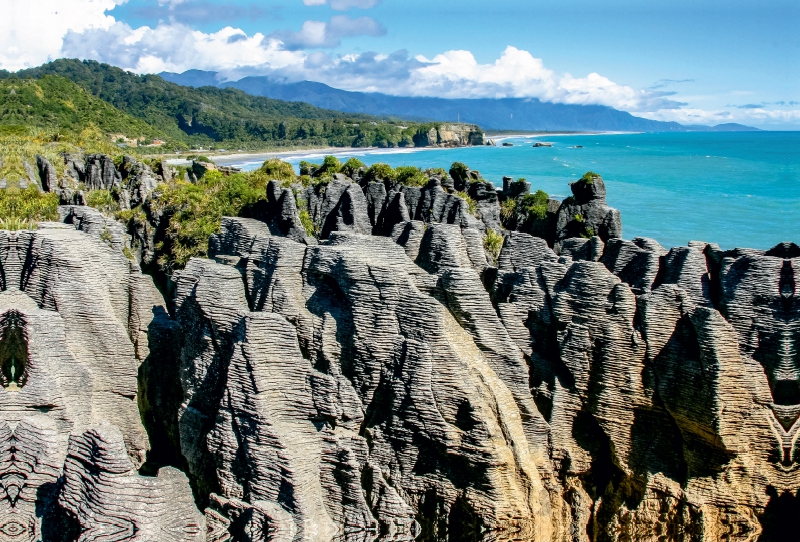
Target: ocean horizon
x: 738, y: 189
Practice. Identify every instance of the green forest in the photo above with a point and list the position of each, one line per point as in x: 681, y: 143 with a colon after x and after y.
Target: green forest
x: 68, y: 95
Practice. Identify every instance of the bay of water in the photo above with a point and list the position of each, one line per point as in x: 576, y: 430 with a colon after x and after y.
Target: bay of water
x: 735, y: 189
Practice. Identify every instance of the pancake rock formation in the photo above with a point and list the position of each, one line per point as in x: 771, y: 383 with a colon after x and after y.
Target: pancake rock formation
x: 386, y: 380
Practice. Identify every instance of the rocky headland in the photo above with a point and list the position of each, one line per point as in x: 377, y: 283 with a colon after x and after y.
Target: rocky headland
x: 357, y: 360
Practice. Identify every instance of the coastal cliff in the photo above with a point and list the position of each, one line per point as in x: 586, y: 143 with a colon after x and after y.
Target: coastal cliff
x: 357, y: 361
x: 450, y: 135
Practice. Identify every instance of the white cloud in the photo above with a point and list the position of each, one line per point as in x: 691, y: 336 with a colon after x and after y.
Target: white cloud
x: 519, y: 74
x: 344, y: 5
x: 174, y: 47
x: 86, y: 31
x: 758, y: 116
x: 31, y: 30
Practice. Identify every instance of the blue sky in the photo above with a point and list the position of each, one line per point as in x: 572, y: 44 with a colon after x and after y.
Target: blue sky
x: 691, y: 61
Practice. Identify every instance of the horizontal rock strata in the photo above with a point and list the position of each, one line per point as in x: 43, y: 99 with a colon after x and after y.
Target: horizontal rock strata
x: 385, y: 378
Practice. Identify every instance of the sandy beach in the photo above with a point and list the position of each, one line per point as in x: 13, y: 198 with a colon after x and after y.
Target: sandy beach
x: 249, y: 158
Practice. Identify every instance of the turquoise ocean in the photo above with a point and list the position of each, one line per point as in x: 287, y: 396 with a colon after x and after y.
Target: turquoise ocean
x: 735, y: 189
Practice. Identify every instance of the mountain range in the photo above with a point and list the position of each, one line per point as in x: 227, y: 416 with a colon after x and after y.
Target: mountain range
x: 488, y: 113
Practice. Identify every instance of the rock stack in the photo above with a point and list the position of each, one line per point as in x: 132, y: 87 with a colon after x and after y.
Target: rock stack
x: 383, y: 382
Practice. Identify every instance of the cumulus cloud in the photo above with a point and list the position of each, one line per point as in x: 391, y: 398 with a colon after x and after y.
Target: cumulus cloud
x: 518, y: 74
x: 86, y: 31
x: 344, y: 5
x: 175, y: 47
x: 31, y: 31
x: 319, y: 34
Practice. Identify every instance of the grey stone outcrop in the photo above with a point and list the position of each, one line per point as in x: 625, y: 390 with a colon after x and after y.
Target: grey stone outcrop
x: 95, y: 223
x: 619, y: 339
x: 47, y: 173
x: 394, y: 387
x: 586, y: 213
x: 76, y: 321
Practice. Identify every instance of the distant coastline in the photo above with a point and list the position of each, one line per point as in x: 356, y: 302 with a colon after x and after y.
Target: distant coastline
x: 245, y: 157
x: 239, y: 158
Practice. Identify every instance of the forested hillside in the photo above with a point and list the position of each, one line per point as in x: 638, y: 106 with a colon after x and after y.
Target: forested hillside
x: 207, y: 115
x: 55, y: 103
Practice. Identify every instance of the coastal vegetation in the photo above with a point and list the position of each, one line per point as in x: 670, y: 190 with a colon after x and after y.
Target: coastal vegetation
x: 22, y: 204
x: 22, y: 208
x: 187, y: 207
x: 589, y: 177
x: 196, y: 209
x: 526, y: 212
x: 493, y: 243
x: 68, y: 95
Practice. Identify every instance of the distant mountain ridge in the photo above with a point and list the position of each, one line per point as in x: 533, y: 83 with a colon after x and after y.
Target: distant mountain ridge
x: 488, y: 113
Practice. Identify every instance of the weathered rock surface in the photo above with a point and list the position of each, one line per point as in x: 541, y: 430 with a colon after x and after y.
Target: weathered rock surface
x: 395, y: 386
x: 450, y: 135
x: 586, y: 213
x: 75, y: 323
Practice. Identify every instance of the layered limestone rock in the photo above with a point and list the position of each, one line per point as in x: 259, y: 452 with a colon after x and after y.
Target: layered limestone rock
x: 450, y: 135
x: 638, y: 409
x: 586, y: 213
x: 380, y: 380
x: 131, y: 184
x: 351, y: 427
x: 75, y: 320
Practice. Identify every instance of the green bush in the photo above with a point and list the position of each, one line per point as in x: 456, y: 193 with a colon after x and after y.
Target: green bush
x: 534, y: 205
x: 22, y: 208
x: 308, y: 223
x: 458, y: 170
x: 526, y: 213
x: 508, y: 209
x: 330, y: 165
x: 307, y: 168
x: 195, y: 212
x: 589, y: 177
x: 352, y: 165
x: 202, y: 158
x: 278, y: 170
x: 102, y: 200
x: 493, y: 243
x: 380, y: 172
x: 411, y: 176
x: 472, y: 205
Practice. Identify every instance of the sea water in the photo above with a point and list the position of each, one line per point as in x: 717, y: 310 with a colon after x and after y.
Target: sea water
x: 736, y: 189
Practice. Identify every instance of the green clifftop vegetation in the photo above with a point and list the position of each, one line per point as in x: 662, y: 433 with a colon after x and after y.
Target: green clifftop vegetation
x: 57, y: 104
x: 185, y: 116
